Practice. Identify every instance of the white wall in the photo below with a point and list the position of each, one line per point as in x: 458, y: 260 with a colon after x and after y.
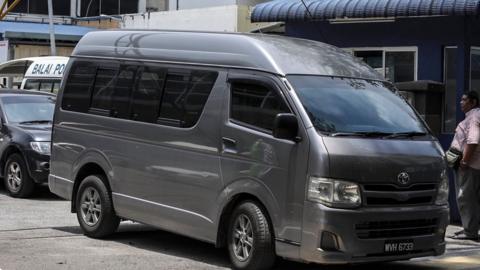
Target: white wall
x: 224, y: 18
x: 189, y: 4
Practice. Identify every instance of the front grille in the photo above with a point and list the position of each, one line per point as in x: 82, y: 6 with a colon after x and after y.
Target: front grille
x: 390, y: 187
x: 395, y: 229
x: 393, y: 195
x: 391, y: 201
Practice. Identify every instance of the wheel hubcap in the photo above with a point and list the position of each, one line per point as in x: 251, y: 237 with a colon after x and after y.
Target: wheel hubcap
x: 242, y: 238
x: 14, y: 177
x: 91, y: 207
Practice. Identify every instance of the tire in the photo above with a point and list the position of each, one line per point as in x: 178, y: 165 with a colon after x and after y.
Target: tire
x: 17, y: 180
x: 94, y: 208
x: 258, y: 241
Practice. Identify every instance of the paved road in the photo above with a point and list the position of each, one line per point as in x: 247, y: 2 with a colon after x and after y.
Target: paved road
x: 40, y: 233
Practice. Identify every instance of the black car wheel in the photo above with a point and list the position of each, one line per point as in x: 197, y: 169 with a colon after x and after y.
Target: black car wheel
x: 250, y: 239
x: 17, y: 180
x: 94, y: 207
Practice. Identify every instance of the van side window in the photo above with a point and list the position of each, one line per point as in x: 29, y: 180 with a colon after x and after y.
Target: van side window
x: 185, y: 96
x: 255, y: 105
x: 173, y: 100
x: 146, y: 98
x: 76, y: 95
x: 123, y: 91
x: 32, y: 85
x: 56, y: 87
x: 103, y: 89
x: 46, y: 86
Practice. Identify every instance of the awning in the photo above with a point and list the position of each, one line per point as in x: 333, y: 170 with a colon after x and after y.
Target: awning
x: 295, y: 10
x: 23, y: 30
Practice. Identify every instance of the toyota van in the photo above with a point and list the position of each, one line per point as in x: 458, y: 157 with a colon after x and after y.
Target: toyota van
x: 266, y: 145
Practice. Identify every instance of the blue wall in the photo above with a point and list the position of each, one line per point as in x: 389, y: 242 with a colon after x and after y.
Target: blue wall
x: 429, y: 35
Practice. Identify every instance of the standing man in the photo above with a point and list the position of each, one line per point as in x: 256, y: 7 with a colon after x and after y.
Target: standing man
x: 467, y: 176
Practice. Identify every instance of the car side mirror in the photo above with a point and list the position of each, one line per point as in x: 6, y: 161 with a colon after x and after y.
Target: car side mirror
x: 285, y: 126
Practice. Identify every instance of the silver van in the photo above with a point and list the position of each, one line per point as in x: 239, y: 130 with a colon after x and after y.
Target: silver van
x: 269, y: 146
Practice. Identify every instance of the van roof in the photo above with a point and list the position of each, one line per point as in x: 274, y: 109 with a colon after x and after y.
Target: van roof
x: 270, y: 53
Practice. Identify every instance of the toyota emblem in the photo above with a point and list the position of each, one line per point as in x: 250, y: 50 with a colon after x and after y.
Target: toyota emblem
x: 403, y: 178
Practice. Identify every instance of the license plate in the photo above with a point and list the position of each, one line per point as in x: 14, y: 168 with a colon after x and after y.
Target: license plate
x: 398, y: 246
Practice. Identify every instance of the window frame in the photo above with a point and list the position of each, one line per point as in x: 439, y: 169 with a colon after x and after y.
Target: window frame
x: 262, y: 81
x: 472, y: 48
x: 80, y: 7
x: 386, y: 50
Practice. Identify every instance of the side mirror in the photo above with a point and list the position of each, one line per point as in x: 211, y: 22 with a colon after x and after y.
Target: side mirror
x: 285, y: 126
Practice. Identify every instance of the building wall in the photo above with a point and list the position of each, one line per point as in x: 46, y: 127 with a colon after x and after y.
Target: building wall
x: 223, y: 19
x: 101, y: 24
x: 190, y: 4
x: 22, y: 51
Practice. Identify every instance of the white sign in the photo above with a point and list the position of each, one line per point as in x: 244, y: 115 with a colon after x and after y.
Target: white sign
x: 47, y: 67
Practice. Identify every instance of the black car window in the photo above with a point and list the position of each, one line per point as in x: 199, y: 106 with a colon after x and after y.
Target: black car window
x: 28, y: 108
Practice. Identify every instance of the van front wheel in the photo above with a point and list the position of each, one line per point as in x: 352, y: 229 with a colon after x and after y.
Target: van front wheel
x: 95, y: 208
x: 250, y: 240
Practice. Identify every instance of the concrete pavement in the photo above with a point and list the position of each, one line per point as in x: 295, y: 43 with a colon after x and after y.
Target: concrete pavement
x: 41, y: 233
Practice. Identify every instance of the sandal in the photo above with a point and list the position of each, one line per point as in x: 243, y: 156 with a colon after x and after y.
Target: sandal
x: 463, y: 236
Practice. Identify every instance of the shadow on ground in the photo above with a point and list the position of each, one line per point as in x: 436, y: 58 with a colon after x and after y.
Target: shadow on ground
x: 148, y: 238
x: 41, y: 193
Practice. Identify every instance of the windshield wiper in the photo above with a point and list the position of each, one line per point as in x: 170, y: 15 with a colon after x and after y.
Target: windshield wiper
x: 361, y: 134
x: 36, y: 122
x: 406, y: 134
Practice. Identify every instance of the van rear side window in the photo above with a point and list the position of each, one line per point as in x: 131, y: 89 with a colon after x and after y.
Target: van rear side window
x: 103, y: 89
x: 149, y: 93
x: 76, y: 96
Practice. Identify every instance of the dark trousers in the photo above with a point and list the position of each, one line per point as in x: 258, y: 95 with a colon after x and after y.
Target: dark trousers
x: 467, y: 183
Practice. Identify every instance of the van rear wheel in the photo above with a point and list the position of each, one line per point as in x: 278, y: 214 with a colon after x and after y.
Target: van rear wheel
x: 250, y: 240
x: 94, y: 208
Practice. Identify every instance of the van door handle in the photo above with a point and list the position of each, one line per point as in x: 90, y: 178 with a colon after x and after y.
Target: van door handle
x: 229, y: 145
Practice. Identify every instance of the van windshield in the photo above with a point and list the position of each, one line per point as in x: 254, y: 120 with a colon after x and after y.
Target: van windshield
x: 342, y: 106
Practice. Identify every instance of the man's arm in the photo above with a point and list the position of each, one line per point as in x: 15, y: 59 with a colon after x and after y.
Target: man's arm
x: 473, y: 138
x: 467, y: 154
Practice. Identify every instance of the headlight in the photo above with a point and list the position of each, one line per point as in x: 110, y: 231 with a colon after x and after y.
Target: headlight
x: 442, y: 193
x: 334, y: 193
x: 41, y: 147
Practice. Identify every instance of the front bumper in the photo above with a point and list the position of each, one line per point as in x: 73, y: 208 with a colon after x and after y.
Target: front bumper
x: 38, y: 166
x: 356, y: 244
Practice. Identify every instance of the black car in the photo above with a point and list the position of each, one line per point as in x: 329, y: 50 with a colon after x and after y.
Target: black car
x: 25, y: 134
